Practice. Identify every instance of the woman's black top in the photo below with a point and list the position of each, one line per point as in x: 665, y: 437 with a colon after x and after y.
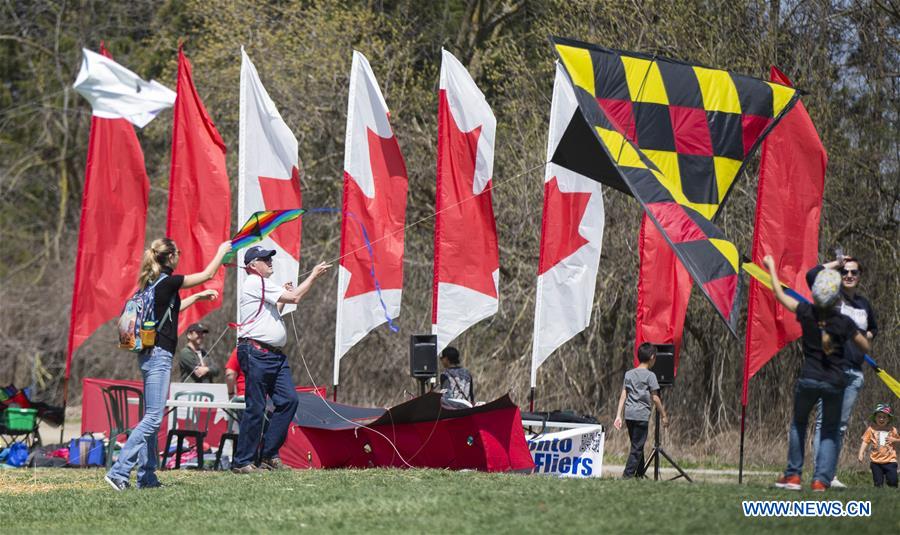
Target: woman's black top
x: 163, y: 294
x: 860, y: 311
x: 824, y: 363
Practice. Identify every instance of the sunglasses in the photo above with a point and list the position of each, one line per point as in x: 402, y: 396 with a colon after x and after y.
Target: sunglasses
x: 851, y: 272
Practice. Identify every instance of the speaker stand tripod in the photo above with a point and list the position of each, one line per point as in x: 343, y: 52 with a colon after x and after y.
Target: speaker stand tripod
x: 422, y: 384
x: 657, y: 451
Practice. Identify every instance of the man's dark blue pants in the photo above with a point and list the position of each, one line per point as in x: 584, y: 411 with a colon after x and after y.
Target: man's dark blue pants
x: 266, y: 374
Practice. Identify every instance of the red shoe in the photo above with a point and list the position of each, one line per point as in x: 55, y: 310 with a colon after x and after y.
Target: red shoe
x: 789, y: 482
x: 818, y: 486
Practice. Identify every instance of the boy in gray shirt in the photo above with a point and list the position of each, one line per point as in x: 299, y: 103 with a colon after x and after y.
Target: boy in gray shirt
x: 639, y: 389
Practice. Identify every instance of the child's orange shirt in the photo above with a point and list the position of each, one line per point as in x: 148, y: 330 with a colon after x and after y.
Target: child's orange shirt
x: 882, y: 452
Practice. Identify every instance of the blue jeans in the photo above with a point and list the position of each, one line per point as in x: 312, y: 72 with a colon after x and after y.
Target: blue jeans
x: 266, y: 374
x: 855, y: 379
x: 141, y: 447
x: 806, y: 394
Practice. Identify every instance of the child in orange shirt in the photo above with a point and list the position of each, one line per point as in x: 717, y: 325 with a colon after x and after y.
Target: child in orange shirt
x: 884, y: 440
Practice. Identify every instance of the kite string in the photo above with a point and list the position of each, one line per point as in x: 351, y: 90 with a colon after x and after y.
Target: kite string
x: 225, y: 330
x: 369, y: 243
x: 357, y: 424
x: 371, y: 252
x: 493, y: 186
x: 368, y: 246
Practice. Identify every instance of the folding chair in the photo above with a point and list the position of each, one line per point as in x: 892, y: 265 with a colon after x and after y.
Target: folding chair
x: 16, y: 423
x: 196, y: 427
x: 234, y: 417
x: 117, y: 414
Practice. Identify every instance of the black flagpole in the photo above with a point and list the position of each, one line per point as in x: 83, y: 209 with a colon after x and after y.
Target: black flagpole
x: 741, y: 461
x: 62, y: 428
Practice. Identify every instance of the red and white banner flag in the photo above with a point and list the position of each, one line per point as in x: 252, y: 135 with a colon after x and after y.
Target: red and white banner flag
x: 370, y: 275
x: 466, y: 257
x: 199, y: 192
x: 268, y: 177
x: 116, y: 188
x: 571, y: 236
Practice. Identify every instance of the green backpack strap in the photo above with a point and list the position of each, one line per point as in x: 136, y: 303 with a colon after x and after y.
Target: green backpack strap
x: 168, y: 314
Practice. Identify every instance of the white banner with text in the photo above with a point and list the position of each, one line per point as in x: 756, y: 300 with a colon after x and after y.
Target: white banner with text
x: 570, y: 453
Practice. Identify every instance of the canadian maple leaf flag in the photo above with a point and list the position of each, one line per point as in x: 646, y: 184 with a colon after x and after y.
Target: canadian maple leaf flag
x: 466, y: 257
x: 374, y: 212
x: 571, y: 235
x: 268, y: 177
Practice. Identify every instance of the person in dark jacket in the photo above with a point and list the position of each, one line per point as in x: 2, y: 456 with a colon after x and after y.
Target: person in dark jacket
x: 825, y: 334
x: 456, y: 382
x: 857, y: 308
x: 194, y: 360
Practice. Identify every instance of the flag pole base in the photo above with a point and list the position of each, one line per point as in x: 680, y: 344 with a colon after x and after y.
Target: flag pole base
x: 62, y: 427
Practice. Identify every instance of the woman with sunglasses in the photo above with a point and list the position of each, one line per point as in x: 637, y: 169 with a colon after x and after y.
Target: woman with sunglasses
x: 857, y: 308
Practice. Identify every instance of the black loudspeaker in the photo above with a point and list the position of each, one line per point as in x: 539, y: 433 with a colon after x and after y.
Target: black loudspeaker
x: 665, y: 364
x: 423, y: 360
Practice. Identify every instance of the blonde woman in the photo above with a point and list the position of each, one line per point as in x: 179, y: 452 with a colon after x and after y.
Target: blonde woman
x: 157, y: 268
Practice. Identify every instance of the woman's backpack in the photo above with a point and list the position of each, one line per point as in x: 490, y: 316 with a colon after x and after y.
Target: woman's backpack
x: 138, y: 319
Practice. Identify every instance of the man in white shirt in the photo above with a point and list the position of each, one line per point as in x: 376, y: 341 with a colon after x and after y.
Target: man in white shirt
x: 261, y: 339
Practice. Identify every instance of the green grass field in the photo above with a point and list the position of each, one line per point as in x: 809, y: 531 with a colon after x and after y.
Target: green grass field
x: 410, y: 501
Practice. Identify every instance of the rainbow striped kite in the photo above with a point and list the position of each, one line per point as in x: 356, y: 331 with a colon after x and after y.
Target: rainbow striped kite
x: 763, y: 277
x: 260, y: 225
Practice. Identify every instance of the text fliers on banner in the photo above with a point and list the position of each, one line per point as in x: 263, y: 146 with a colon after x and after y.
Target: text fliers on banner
x: 570, y: 453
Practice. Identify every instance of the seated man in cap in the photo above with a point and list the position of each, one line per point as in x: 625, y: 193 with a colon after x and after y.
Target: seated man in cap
x: 195, y: 363
x: 261, y: 340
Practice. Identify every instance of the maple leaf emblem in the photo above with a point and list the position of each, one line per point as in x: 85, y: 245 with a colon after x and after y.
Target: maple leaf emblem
x: 565, y: 210
x: 382, y: 217
x: 466, y: 250
x: 284, y: 194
